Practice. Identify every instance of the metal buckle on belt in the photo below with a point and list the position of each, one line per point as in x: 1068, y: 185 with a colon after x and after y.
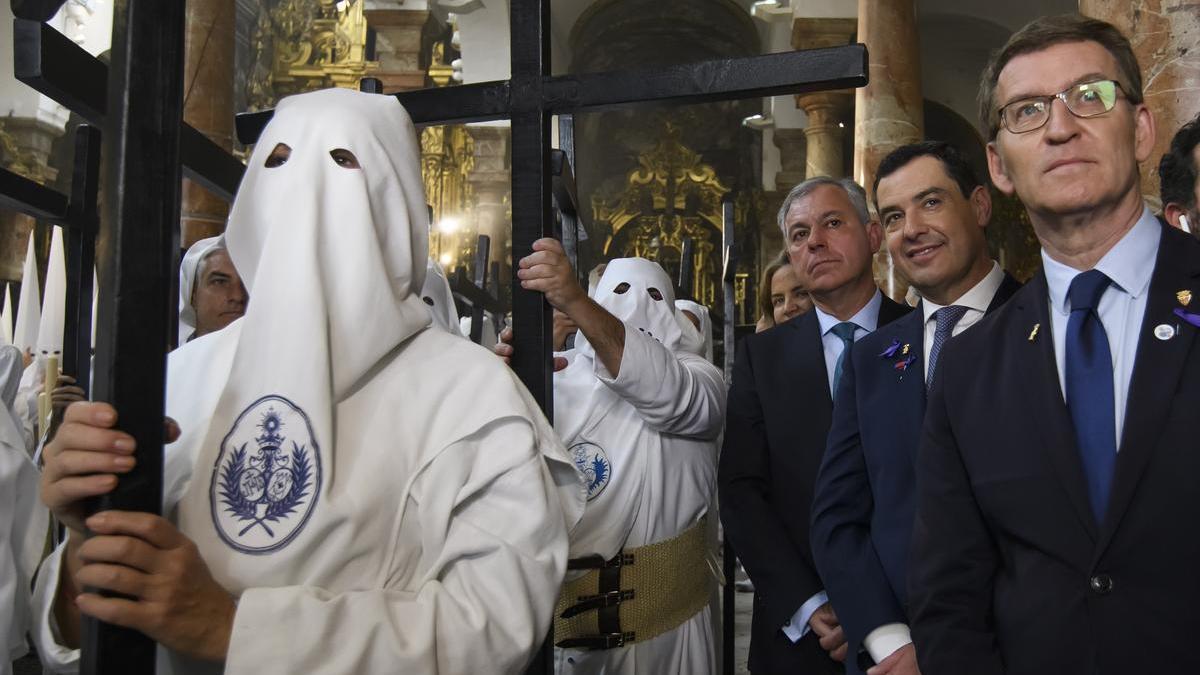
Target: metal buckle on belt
x: 588, y: 603
x: 600, y: 641
x: 595, y: 562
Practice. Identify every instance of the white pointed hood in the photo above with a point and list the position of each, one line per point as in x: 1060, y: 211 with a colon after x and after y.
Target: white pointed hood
x: 29, y: 310
x: 54, y: 306
x: 6, y: 317
x: 437, y: 295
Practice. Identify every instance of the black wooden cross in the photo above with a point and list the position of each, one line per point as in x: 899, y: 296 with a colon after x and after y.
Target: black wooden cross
x: 146, y: 145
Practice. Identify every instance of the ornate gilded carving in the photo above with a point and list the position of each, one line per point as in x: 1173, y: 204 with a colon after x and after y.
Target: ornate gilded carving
x: 303, y: 45
x: 670, y: 196
x: 21, y: 162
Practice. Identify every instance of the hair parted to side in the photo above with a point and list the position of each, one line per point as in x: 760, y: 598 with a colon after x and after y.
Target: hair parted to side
x: 858, y: 197
x: 1046, y: 32
x: 1177, y: 170
x: 955, y: 164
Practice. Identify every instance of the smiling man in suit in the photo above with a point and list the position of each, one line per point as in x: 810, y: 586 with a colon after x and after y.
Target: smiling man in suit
x: 778, y: 416
x: 934, y: 212
x: 1056, y: 480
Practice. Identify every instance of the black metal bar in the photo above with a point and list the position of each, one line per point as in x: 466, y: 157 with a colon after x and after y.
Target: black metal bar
x: 483, y: 249
x: 562, y: 181
x: 139, y: 243
x: 36, y: 10
x: 48, y: 61
x: 18, y: 193
x: 728, y: 275
x: 687, y: 269
x: 80, y: 243
x: 716, y: 80
x: 478, y: 102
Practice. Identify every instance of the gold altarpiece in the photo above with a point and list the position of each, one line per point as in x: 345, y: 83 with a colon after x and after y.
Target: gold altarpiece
x: 305, y: 45
x: 672, y: 195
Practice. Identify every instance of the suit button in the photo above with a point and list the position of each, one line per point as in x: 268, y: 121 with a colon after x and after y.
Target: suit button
x: 1101, y: 584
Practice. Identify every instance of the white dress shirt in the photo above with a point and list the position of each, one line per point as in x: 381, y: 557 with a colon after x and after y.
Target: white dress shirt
x: 867, y: 320
x: 1130, y: 264
x: 977, y: 300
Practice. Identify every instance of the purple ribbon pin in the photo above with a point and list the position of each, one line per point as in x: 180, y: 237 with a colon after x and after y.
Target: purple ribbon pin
x: 891, y: 350
x: 903, y: 364
x: 1187, y: 316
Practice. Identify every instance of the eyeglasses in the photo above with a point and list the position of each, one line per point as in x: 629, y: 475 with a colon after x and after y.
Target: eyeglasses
x: 1083, y: 100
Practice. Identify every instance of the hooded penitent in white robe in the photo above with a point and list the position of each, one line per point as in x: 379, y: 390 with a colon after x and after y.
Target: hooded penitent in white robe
x: 380, y: 497
x: 436, y: 293
x: 23, y: 519
x: 189, y: 267
x: 644, y: 442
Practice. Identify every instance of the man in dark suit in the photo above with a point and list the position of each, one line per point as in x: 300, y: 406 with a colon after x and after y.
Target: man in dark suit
x: 934, y: 211
x: 1056, y: 480
x: 777, y: 419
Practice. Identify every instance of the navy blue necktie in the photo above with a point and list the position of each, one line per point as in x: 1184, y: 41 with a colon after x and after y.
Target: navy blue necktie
x: 845, y: 332
x: 1090, y: 387
x: 947, y: 318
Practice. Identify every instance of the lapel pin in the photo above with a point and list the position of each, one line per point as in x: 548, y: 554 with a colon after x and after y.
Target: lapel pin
x: 1033, y: 333
x: 1187, y: 316
x: 1184, y: 297
x: 904, y: 352
x: 1164, y: 332
x: 891, y: 350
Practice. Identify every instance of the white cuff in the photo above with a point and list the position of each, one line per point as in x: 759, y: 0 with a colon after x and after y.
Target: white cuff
x: 56, y: 658
x: 797, y: 626
x: 886, y: 639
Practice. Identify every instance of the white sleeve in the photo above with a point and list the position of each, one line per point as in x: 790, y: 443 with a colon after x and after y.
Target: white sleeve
x: 493, y: 546
x: 676, y: 393
x: 56, y: 658
x: 881, y: 642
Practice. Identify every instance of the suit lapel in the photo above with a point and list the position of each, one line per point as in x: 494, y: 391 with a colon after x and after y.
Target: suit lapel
x: 908, y: 405
x: 1038, y: 371
x: 1008, y: 287
x: 1156, y: 372
x: 809, y: 355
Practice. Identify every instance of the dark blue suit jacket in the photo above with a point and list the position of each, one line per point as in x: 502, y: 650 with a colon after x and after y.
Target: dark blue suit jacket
x: 1011, y: 574
x: 865, y: 494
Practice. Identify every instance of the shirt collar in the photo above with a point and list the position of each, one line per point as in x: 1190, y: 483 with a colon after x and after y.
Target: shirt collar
x: 979, y: 298
x: 1125, y: 263
x: 867, y: 318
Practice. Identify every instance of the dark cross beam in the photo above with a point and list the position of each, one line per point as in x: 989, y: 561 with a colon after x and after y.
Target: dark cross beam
x: 138, y: 244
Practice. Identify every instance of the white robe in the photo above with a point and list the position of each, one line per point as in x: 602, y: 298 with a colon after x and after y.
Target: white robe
x: 440, y: 553
x: 656, y: 423
x: 23, y: 527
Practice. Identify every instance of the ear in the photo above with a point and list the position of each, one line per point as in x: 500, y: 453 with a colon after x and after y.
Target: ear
x: 1144, y: 132
x: 1172, y: 212
x: 997, y: 169
x: 981, y: 203
x: 874, y: 235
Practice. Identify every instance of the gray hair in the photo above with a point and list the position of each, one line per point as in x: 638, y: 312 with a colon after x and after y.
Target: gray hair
x: 854, y: 191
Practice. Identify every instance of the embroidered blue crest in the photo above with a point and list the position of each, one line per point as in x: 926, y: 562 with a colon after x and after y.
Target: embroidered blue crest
x: 593, y: 463
x: 267, y: 477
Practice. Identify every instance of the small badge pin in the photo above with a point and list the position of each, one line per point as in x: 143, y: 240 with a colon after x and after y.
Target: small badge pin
x: 1164, y: 332
x: 904, y: 352
x: 1184, y: 297
x: 1033, y: 333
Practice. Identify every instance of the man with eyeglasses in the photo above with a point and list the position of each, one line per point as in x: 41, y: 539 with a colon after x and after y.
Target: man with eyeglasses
x: 1056, y: 480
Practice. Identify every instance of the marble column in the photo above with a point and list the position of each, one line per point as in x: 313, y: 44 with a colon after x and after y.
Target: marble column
x: 792, y: 144
x: 888, y: 112
x: 490, y: 183
x: 26, y: 145
x: 827, y: 111
x: 208, y: 106
x: 1164, y: 35
x: 397, y: 44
